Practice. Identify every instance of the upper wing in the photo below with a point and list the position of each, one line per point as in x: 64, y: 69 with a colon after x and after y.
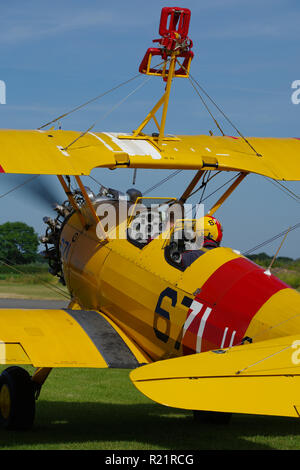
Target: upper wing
x: 50, y: 152
x: 261, y: 378
x: 65, y: 338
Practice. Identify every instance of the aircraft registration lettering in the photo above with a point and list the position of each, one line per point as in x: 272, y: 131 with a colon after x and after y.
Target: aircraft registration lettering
x: 163, y: 316
x: 224, y: 338
x: 65, y: 246
x: 193, y: 328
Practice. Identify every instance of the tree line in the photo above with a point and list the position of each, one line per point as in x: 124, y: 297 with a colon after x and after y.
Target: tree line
x: 18, y: 243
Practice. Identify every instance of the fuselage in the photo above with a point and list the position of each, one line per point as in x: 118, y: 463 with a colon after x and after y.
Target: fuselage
x: 221, y: 300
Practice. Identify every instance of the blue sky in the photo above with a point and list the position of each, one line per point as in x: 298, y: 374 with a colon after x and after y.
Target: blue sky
x: 57, y: 55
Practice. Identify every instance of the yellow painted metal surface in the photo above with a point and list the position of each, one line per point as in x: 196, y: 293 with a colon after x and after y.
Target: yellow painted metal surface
x: 50, y: 338
x: 125, y: 282
x: 262, y: 378
x: 13, y: 353
x: 48, y: 152
x: 279, y: 316
x: 129, y: 295
x: 39, y: 152
x: 132, y: 278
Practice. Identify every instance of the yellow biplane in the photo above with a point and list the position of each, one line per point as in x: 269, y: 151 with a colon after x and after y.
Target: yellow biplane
x: 217, y: 337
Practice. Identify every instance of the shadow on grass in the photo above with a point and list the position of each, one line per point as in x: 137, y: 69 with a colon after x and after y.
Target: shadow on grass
x: 83, y: 409
x: 70, y: 425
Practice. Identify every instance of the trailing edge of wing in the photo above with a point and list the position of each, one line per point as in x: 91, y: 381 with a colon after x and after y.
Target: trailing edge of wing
x: 261, y: 378
x: 71, y: 153
x: 65, y: 338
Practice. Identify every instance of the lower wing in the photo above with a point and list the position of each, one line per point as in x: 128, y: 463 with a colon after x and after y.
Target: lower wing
x: 261, y: 378
x: 65, y: 338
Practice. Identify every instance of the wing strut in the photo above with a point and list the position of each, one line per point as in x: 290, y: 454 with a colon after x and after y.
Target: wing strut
x: 191, y: 186
x: 87, y: 200
x: 227, y: 193
x: 71, y: 199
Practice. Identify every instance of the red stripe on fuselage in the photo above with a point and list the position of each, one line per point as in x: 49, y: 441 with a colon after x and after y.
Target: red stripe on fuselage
x: 235, y: 293
x: 1, y: 169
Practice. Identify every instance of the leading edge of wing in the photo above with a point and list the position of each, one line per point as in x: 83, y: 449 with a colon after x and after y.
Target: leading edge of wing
x: 65, y: 338
x: 261, y: 378
x: 61, y: 152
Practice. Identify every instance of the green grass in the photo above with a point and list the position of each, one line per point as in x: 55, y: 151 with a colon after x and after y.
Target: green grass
x: 289, y: 276
x: 89, y: 409
x: 32, y: 291
x: 31, y: 281
x: 12, y: 289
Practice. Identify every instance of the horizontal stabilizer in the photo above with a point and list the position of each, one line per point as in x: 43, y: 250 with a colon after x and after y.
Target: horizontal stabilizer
x: 258, y: 378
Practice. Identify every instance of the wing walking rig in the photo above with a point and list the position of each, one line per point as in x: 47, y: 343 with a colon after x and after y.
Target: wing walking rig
x: 130, y: 305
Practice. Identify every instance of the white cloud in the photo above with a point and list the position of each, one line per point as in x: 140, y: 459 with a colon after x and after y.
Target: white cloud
x: 15, y: 30
x: 34, y: 20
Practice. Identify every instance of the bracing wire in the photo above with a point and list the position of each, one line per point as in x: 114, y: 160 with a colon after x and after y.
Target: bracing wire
x: 293, y: 196
x: 98, y: 97
x: 19, y: 186
x: 224, y: 115
x: 161, y: 182
x: 195, y: 83
x: 272, y: 239
x: 284, y: 189
x: 107, y: 114
x: 207, y: 108
x: 89, y: 101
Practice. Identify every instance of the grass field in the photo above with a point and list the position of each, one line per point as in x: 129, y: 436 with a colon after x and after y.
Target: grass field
x: 88, y: 409
x: 30, y: 282
x: 30, y: 291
